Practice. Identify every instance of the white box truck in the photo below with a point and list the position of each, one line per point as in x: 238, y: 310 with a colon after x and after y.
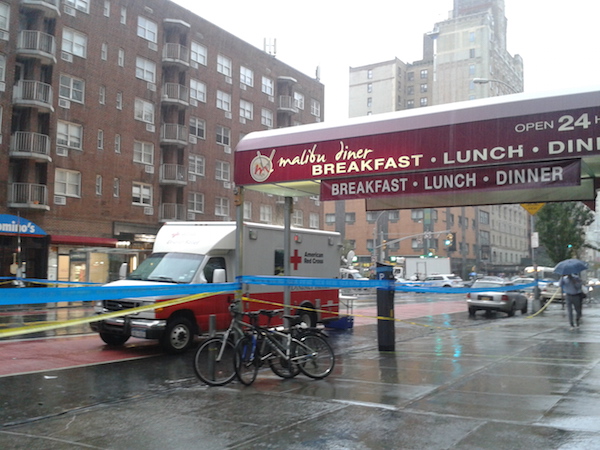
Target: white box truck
x: 411, y: 268
x: 190, y: 252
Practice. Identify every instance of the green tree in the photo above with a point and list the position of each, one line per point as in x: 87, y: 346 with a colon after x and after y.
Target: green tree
x: 561, y: 228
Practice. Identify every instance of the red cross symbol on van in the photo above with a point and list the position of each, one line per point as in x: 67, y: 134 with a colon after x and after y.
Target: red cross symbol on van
x: 295, y: 259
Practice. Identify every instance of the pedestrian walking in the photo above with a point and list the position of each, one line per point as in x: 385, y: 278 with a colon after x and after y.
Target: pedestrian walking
x: 571, y: 286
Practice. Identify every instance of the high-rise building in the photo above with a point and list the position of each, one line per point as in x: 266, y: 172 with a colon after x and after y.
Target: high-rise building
x: 119, y: 115
x: 464, y: 58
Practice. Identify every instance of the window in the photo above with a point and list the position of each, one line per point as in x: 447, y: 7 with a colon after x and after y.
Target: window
x: 119, y: 100
x: 197, y: 127
x: 224, y: 65
x: 104, y: 51
x: 145, y: 69
x: 410, y: 104
x: 472, y: 53
x: 100, y: 140
x: 472, y: 69
x: 329, y: 219
x: 471, y: 36
x: 67, y: 183
x: 350, y: 217
x: 416, y: 215
x: 369, y: 88
x: 313, y: 221
x: 223, y: 135
x: 117, y: 143
x: 141, y: 194
x: 315, y: 107
x: 266, y: 117
x: 121, y: 58
x: 221, y: 207
x: 246, y: 76
x: 423, y: 101
x: 116, y: 187
x: 196, y: 166
x: 410, y: 76
x: 247, y: 210
x: 484, y: 217
x: 147, y: 29
x: 4, y: 16
x: 74, y: 42
x: 198, y: 53
x: 369, y: 102
x: 267, y: 86
x: 98, y: 184
x: 370, y: 74
x: 246, y: 109
x: 102, y: 95
x: 196, y: 202
x: 198, y: 90
x: 2, y: 68
x: 80, y: 5
x: 424, y: 88
x: 222, y: 171
x: 394, y: 216
x: 144, y: 111
x: 106, y: 8
x: 223, y: 101
x: 143, y: 152
x: 298, y: 218
x: 69, y: 135
x: 123, y: 18
x: 71, y: 88
x: 416, y: 244
x: 299, y: 100
x: 424, y: 74
x: 266, y: 213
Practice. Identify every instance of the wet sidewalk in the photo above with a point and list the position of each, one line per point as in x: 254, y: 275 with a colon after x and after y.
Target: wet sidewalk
x: 452, y: 383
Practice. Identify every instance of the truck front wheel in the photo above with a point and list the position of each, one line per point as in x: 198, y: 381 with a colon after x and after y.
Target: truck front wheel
x: 114, y: 339
x: 178, y: 335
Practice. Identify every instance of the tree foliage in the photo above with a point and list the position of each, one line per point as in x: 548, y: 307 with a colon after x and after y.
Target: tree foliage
x: 561, y: 228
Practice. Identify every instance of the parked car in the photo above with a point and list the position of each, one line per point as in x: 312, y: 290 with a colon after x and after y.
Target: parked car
x: 553, y: 291
x: 504, y: 301
x: 443, y: 280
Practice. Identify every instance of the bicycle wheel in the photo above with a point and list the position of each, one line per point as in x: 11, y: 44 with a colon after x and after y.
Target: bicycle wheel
x: 314, y: 356
x: 213, y: 362
x: 247, y: 360
x: 283, y: 367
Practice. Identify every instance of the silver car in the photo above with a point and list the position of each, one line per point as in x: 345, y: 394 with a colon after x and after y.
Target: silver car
x: 496, y: 300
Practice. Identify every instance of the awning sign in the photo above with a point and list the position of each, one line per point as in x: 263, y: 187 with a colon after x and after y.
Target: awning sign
x: 18, y: 225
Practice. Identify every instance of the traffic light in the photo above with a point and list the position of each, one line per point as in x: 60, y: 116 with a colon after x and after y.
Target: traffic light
x: 450, y: 242
x: 431, y: 252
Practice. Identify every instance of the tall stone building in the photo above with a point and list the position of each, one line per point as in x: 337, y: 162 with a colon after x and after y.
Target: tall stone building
x: 464, y: 58
x: 119, y: 115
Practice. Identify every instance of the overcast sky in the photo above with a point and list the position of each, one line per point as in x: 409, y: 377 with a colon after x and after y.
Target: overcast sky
x: 556, y: 39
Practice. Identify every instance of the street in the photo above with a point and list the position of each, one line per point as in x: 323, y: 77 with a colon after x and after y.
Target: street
x: 453, y: 382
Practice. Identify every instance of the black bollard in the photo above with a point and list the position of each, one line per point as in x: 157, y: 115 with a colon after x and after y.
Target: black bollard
x: 385, y: 309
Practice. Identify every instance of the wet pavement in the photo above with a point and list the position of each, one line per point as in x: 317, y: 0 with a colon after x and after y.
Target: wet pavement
x: 454, y: 382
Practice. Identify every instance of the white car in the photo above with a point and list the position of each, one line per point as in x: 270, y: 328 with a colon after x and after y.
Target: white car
x: 443, y: 280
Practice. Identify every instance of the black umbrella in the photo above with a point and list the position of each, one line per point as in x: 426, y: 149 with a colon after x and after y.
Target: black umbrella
x: 569, y: 266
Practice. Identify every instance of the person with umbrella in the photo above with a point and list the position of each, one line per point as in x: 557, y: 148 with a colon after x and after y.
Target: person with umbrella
x: 572, y: 286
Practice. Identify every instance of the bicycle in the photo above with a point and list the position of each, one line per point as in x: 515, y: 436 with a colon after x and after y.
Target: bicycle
x: 214, y: 359
x: 288, y: 352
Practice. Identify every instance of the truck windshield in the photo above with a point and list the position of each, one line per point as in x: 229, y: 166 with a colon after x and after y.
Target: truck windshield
x: 168, y: 268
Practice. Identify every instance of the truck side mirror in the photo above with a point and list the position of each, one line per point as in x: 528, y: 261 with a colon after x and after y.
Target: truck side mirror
x: 123, y: 271
x: 219, y: 276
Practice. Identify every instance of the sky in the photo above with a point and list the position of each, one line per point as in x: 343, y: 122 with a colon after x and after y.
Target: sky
x: 333, y: 36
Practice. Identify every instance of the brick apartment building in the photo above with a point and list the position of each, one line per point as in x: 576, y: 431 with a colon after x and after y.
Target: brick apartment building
x: 119, y: 115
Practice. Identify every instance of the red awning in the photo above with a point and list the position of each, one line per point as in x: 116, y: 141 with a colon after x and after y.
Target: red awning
x: 83, y: 240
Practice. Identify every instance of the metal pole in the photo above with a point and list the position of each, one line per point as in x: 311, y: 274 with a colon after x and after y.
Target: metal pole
x: 239, y: 239
x: 287, y: 253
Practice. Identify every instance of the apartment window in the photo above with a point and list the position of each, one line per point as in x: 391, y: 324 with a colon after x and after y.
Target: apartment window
x: 369, y: 88
x: 315, y: 107
x: 69, y: 135
x: 484, y: 217
x: 80, y: 5
x: 299, y: 100
x: 246, y: 76
x: 471, y: 36
x: 144, y: 111
x: 197, y: 127
x: 104, y: 51
x: 416, y: 244
x: 117, y: 143
x: 106, y: 8
x: 222, y: 171
x: 121, y: 58
x: 71, y: 88
x: 196, y: 165
x: 2, y: 68
x: 416, y: 215
x: 223, y: 101
x: 369, y: 102
x: 145, y: 69
x: 472, y: 53
x: 98, y: 184
x: 223, y: 136
x: 268, y: 86
x: 423, y: 101
x: 74, y: 42
x: 67, y: 183
x: 350, y: 217
x: 4, y: 16
x: 102, y: 95
x: 246, y: 109
x: 198, y: 53
x: 141, y: 194
x: 369, y: 74
x: 247, y: 210
x: 266, y: 117
x: 266, y: 213
x: 394, y: 216
x: 410, y: 104
x: 100, y: 139
x: 224, y: 65
x: 147, y: 29
x: 123, y: 17
x: 472, y: 69
x: 119, y: 100
x: 143, y: 152
x: 423, y: 87
x: 198, y: 90
x: 298, y: 218
x: 410, y: 76
x: 221, y: 207
x: 196, y: 202
x: 329, y: 219
x: 116, y: 187
x: 313, y: 221
x: 424, y: 74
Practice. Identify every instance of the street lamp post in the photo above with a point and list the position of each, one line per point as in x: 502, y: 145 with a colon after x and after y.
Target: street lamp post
x: 489, y: 80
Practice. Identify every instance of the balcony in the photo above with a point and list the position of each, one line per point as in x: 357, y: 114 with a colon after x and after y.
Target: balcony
x: 176, y: 54
x: 36, y: 44
x: 176, y: 94
x: 51, y: 8
x: 173, y: 174
x: 287, y: 104
x: 172, y: 211
x: 31, y: 93
x: 29, y: 145
x: 28, y: 196
x: 173, y: 134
